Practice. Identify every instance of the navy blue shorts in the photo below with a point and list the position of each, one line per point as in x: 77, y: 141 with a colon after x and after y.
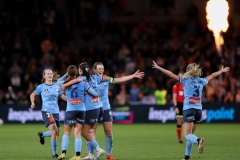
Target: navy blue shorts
x: 192, y: 115
x: 73, y: 117
x: 93, y: 116
x: 50, y: 118
x: 107, y: 115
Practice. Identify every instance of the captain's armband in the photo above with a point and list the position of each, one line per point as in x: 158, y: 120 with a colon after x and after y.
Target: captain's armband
x: 111, y: 80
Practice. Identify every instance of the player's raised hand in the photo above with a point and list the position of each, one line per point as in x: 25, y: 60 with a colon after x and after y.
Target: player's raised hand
x: 139, y: 74
x: 154, y: 65
x: 225, y: 69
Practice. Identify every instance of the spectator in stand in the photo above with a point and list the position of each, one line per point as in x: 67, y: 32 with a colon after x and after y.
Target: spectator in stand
x: 161, y: 96
x: 2, y: 97
x: 47, y: 59
x: 122, y: 96
x: 133, y: 93
x: 15, y: 74
x: 10, y: 96
x: 22, y: 98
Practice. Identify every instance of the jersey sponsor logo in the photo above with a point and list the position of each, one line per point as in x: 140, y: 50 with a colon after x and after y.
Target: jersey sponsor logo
x: 46, y: 91
x: 76, y: 101
x: 95, y: 99
x: 194, y: 100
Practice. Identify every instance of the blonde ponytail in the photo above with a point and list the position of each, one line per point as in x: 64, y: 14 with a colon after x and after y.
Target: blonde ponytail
x: 193, y: 70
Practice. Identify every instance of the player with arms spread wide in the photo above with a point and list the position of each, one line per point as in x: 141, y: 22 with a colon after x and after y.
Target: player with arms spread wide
x: 192, y: 105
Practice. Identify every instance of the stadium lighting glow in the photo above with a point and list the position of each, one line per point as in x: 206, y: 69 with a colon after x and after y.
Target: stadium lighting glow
x: 217, y: 19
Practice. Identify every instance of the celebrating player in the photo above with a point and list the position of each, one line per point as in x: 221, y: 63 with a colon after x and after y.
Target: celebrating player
x: 107, y: 115
x: 192, y: 105
x: 49, y: 92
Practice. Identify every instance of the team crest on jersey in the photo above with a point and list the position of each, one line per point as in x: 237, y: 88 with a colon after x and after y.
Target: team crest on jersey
x: 105, y: 83
x: 46, y: 90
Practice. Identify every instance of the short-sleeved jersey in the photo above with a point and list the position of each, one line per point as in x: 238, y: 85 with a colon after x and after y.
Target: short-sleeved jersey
x: 193, y: 92
x: 75, y: 96
x: 92, y: 102
x: 179, y: 91
x: 49, y: 94
x: 103, y: 94
x: 60, y: 81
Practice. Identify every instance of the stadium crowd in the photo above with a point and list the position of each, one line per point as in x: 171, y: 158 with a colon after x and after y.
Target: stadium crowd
x: 35, y: 35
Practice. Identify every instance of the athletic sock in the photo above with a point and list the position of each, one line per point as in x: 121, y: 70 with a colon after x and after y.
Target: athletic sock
x: 109, y: 144
x: 78, y: 144
x: 179, y: 132
x: 188, y: 149
x: 192, y: 138
x: 46, y: 134
x: 54, y: 146
x: 65, y: 142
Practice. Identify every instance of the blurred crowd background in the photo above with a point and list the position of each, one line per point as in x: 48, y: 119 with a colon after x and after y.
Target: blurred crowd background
x: 39, y: 34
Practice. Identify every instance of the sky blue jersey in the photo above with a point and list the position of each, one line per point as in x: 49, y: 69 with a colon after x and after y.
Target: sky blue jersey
x: 193, y: 92
x: 92, y: 102
x: 103, y: 93
x: 75, y: 96
x: 49, y: 94
x: 61, y: 80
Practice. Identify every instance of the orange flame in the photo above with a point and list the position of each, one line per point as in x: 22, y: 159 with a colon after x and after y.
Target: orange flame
x: 217, y: 18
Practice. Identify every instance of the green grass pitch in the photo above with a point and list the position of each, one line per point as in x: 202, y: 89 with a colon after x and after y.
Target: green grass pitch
x: 131, y: 142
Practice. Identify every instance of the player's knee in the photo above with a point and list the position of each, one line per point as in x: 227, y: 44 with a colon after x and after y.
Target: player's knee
x: 108, y: 132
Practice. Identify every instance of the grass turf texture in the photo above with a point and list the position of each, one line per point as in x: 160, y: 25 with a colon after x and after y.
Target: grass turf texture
x: 131, y: 142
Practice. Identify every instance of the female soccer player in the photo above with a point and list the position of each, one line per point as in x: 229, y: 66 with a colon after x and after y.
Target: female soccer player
x: 107, y: 115
x: 75, y: 112
x: 192, y: 106
x: 178, y: 98
x: 49, y: 92
x: 93, y: 106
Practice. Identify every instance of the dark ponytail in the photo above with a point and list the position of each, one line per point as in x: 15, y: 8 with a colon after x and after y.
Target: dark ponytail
x: 85, y: 70
x: 72, y: 73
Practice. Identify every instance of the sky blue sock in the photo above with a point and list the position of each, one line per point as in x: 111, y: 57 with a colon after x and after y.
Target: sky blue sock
x: 78, y: 144
x: 46, y: 134
x: 91, y: 150
x: 192, y: 138
x: 188, y: 149
x: 54, y: 146
x: 93, y: 144
x: 109, y: 144
x: 65, y: 142
x: 88, y: 147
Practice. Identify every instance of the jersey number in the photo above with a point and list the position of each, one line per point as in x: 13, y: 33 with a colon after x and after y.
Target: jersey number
x: 196, y: 91
x: 74, y: 93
